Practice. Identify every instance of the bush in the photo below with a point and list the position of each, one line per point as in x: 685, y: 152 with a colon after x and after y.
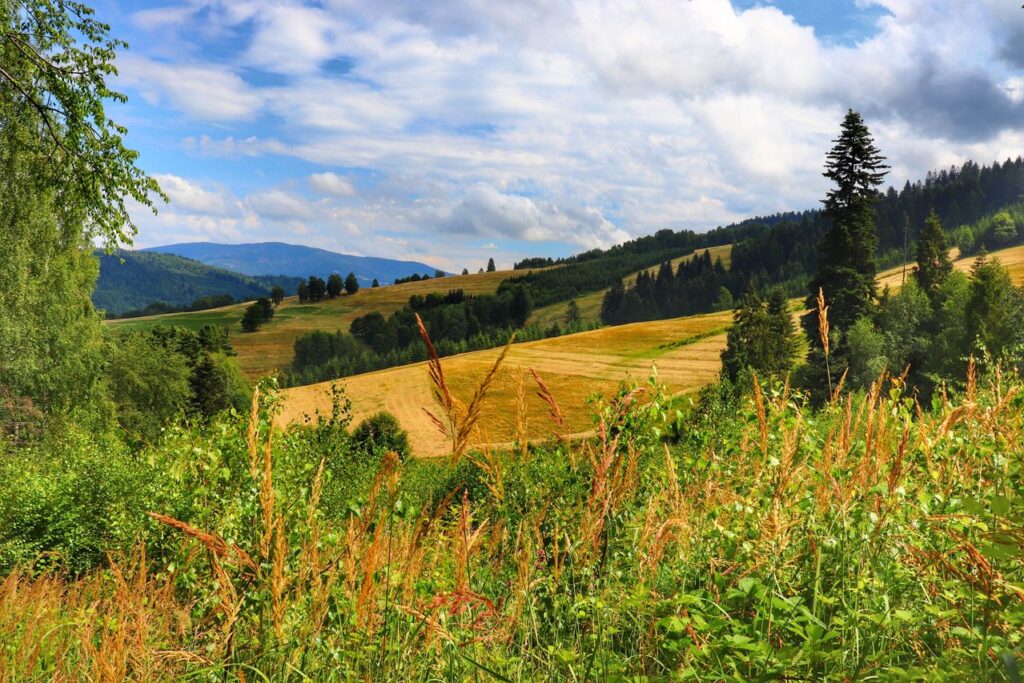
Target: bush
x: 381, y: 433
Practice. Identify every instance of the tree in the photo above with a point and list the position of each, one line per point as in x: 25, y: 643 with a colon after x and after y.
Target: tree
x: 933, y: 264
x: 375, y: 284
x: 846, y: 271
x: 66, y: 180
x: 317, y: 288
x: 148, y: 383
x: 490, y: 265
x: 612, y: 305
x: 995, y: 312
x: 439, y: 273
x: 303, y: 292
x: 334, y: 285
x: 762, y: 337
x: 211, y: 387
x: 381, y: 433
x: 572, y: 314
x: 351, y: 284
x: 465, y: 271
x: 277, y: 294
x: 522, y: 305
x: 253, y: 317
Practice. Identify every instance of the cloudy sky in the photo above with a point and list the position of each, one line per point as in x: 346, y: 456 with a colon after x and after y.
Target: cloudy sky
x: 451, y: 131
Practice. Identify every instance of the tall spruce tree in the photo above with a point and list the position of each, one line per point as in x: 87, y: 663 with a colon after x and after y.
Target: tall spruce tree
x: 846, y: 256
x: 933, y: 264
x: 761, y: 338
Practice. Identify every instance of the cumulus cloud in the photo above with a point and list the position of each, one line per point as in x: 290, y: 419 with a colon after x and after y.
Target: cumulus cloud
x: 332, y: 184
x: 582, y: 122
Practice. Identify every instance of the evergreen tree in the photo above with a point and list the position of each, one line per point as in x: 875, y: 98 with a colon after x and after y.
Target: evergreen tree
x: 846, y: 256
x: 572, y: 314
x: 303, y: 292
x: 210, y: 387
x: 995, y: 312
x: 933, y: 264
x: 522, y: 306
x: 490, y: 265
x: 762, y: 337
x: 317, y: 288
x: 612, y: 305
x: 465, y: 271
x: 277, y: 294
x: 351, y: 284
x: 334, y: 285
x: 374, y: 284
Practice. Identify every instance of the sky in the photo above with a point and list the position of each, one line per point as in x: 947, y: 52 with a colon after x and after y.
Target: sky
x: 453, y: 131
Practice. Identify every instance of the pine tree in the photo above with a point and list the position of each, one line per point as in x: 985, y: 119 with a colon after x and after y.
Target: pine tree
x: 572, y: 314
x: 846, y: 256
x: 613, y: 304
x: 490, y: 265
x: 761, y: 338
x: 933, y: 264
x: 351, y: 284
x: 334, y: 285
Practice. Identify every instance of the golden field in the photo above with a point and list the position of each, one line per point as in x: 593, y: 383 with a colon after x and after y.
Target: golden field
x: 685, y: 350
x: 574, y: 367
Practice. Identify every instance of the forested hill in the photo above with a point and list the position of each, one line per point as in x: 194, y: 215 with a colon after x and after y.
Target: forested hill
x: 132, y: 280
x: 295, y: 260
x: 782, y: 249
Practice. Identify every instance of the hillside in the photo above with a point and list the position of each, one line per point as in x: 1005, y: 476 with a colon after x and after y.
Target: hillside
x: 269, y: 349
x: 131, y: 280
x: 574, y: 367
x: 685, y: 350
x: 294, y: 260
x: 590, y: 304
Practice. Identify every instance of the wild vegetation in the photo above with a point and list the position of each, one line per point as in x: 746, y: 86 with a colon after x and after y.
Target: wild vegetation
x: 854, y: 517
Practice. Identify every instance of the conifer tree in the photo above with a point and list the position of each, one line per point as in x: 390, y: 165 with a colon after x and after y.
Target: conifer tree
x: 613, y: 303
x: 351, y: 283
x: 933, y: 264
x: 490, y: 265
x: 846, y: 270
x: 761, y: 338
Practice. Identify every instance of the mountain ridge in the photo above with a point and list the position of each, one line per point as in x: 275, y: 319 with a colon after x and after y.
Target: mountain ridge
x: 294, y: 260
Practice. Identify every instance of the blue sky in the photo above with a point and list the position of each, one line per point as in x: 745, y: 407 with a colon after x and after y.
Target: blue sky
x: 458, y: 130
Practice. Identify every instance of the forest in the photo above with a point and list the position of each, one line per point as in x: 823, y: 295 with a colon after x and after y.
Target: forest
x: 844, y: 503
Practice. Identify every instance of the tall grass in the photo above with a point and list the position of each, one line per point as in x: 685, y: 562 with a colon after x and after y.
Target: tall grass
x: 874, y: 539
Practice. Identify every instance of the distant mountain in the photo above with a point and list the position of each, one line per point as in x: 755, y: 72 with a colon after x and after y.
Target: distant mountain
x: 294, y: 260
x: 144, y: 278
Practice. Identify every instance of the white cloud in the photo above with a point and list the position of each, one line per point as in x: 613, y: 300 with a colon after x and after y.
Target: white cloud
x: 190, y: 196
x: 332, y: 184
x: 280, y: 205
x: 579, y: 121
x: 203, y: 91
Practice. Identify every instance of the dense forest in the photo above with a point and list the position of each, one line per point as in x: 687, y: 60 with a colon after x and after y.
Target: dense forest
x: 133, y: 280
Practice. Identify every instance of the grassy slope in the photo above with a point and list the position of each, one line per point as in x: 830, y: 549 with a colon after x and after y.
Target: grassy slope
x: 686, y: 351
x: 574, y: 367
x: 259, y: 353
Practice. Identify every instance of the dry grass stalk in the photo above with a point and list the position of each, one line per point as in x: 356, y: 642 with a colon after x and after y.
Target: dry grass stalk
x: 218, y: 547
x: 278, y: 578
x: 823, y: 334
x: 267, y: 495
x: 522, y: 423
x: 553, y: 408
x: 251, y: 433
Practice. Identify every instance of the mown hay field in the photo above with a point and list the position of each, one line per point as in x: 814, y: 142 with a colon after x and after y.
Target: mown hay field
x: 270, y: 348
x: 574, y: 367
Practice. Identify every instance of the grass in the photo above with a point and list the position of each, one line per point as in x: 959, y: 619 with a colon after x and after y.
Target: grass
x: 870, y: 540
x: 574, y: 367
x: 270, y: 348
x: 685, y: 350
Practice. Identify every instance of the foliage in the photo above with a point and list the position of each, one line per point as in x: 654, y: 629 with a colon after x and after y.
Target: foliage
x: 379, y: 434
x: 351, y: 284
x: 135, y: 279
x: 256, y: 314
x: 868, y: 538
x: 762, y: 338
